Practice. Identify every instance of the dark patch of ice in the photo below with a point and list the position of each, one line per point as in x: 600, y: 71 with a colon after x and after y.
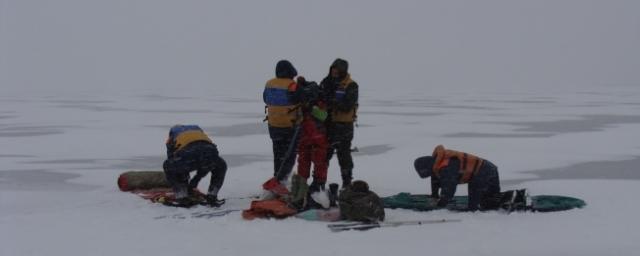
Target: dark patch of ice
x: 158, y: 97
x: 587, y: 123
x: 544, y: 129
x: 399, y: 113
x: 38, y: 180
x: 234, y: 130
x: 529, y: 101
x: 238, y: 130
x: 81, y: 102
x: 155, y: 162
x: 176, y: 111
x: 64, y: 161
x: 374, y: 150
x: 7, y: 116
x: 427, y: 104
x: 31, y: 130
x: 15, y: 156
x: 498, y: 135
x: 94, y: 108
x: 611, y: 170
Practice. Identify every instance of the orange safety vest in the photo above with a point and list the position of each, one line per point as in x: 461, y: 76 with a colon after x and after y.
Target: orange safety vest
x: 280, y: 110
x: 348, y: 116
x: 469, y: 164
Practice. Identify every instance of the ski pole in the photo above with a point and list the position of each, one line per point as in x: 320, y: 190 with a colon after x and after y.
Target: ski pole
x: 290, y: 149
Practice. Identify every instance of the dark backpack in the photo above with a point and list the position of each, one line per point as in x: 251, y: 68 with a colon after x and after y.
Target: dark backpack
x: 358, y: 203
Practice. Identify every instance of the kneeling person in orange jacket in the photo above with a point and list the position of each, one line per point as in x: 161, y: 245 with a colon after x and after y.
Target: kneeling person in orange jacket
x: 448, y: 168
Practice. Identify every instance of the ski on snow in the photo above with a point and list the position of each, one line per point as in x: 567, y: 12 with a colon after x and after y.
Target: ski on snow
x: 206, y: 214
x: 366, y: 226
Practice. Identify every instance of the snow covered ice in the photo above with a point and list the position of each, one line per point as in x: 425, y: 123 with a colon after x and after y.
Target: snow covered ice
x: 59, y: 194
x: 88, y: 90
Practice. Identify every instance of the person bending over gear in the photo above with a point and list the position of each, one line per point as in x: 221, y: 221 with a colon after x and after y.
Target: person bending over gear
x: 341, y: 95
x: 190, y: 149
x: 448, y: 168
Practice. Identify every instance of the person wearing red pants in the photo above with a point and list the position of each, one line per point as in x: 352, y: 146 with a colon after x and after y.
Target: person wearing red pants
x: 313, y: 144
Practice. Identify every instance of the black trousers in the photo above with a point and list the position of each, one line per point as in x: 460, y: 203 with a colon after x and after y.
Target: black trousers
x: 201, y: 157
x: 340, y: 137
x: 484, y: 188
x: 282, y: 139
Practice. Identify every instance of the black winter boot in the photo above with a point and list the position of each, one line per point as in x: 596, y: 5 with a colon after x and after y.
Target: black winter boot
x: 213, y: 201
x: 520, y: 200
x: 316, y: 186
x: 333, y: 194
x: 346, y: 178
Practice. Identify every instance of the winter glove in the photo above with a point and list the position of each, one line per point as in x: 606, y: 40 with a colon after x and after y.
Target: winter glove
x: 301, y: 80
x: 275, y: 186
x: 319, y: 113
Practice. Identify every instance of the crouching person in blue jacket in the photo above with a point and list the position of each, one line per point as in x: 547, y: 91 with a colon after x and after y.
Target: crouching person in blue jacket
x: 190, y: 149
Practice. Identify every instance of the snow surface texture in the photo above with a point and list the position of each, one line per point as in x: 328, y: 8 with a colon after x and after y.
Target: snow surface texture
x: 62, y: 156
x: 548, y: 91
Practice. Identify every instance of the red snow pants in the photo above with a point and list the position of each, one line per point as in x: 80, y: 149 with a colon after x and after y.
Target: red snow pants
x: 312, y: 148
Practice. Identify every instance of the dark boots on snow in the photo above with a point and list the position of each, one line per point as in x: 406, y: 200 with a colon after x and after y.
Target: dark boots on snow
x: 333, y: 194
x: 514, y: 200
x: 213, y: 201
x: 190, y: 201
x: 347, y: 177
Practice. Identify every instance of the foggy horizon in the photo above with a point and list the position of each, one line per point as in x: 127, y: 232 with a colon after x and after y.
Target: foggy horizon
x: 232, y: 46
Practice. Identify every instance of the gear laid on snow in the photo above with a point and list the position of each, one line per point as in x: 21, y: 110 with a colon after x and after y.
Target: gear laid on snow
x: 362, y: 226
x: 275, y: 186
x: 276, y: 208
x: 142, y: 180
x: 299, y: 192
x: 147, y: 185
x: 358, y: 203
x: 330, y: 215
x: 512, y: 200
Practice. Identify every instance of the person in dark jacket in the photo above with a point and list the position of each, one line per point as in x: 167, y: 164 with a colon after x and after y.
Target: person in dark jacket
x: 341, y: 95
x: 190, y: 149
x: 283, y: 114
x: 448, y: 168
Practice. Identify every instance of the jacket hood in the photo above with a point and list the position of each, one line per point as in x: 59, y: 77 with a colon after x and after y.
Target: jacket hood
x: 341, y: 65
x: 424, y: 166
x: 284, y: 69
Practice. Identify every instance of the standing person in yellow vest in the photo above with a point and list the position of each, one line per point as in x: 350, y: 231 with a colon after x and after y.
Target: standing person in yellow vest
x: 448, y: 168
x: 190, y: 149
x: 341, y: 95
x: 283, y: 114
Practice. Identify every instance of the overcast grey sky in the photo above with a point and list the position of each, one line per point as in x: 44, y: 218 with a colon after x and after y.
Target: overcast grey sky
x: 232, y: 46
